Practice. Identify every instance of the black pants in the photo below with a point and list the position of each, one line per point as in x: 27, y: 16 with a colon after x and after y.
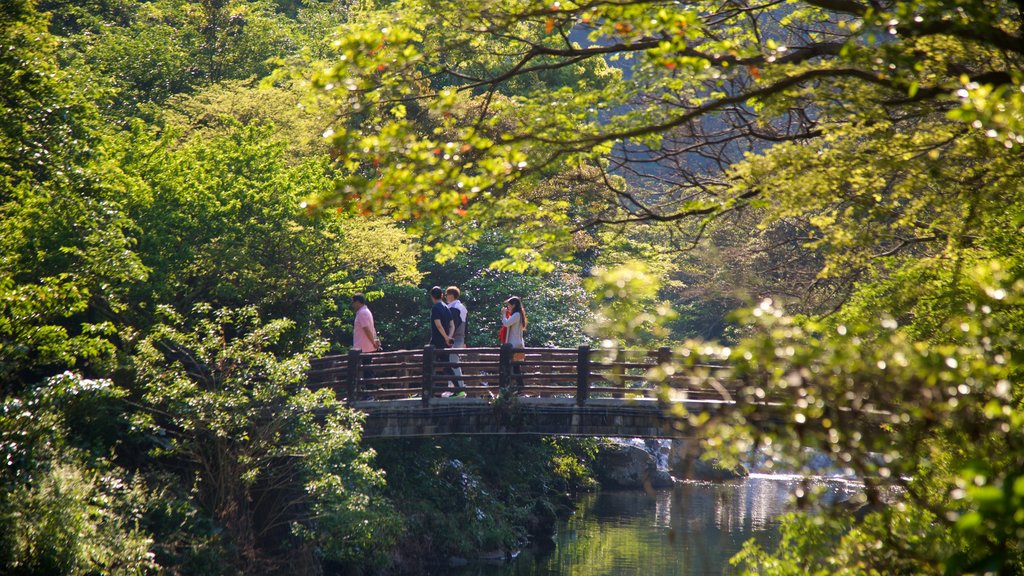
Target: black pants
x: 367, y: 373
x: 442, y: 356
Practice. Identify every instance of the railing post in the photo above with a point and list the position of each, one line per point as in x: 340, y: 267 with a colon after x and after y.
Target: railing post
x: 505, y: 367
x: 428, y: 373
x: 618, y: 371
x: 583, y: 375
x: 665, y: 359
x: 355, y: 373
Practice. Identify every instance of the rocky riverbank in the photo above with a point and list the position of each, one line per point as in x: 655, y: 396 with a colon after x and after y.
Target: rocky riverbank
x: 629, y: 463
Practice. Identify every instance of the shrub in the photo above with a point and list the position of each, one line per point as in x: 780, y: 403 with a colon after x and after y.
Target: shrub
x: 64, y: 510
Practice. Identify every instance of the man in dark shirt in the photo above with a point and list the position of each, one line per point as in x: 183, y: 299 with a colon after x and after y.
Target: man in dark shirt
x: 442, y: 328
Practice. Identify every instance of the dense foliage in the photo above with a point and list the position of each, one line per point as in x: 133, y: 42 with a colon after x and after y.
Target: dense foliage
x: 461, y: 496
x: 858, y: 163
x: 163, y: 284
x: 190, y: 191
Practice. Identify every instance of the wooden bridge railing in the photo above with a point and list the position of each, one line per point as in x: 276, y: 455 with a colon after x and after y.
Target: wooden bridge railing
x: 580, y: 373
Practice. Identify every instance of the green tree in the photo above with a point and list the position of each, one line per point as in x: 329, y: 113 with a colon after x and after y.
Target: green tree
x: 46, y: 111
x: 933, y: 417
x: 104, y: 221
x: 66, y: 244
x: 220, y: 219
x: 218, y: 110
x: 277, y: 466
x: 148, y: 51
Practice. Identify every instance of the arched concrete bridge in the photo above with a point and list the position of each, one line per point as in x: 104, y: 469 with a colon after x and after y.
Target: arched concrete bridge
x: 542, y: 391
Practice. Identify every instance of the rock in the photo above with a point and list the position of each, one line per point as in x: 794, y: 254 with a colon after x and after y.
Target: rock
x: 660, y: 479
x: 541, y: 521
x: 685, y: 463
x: 626, y: 466
x: 497, y: 556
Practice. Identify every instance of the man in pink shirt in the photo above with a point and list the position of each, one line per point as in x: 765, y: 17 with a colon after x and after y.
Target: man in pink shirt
x: 364, y: 333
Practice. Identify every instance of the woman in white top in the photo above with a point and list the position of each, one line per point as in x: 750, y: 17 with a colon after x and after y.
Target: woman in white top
x: 515, y: 325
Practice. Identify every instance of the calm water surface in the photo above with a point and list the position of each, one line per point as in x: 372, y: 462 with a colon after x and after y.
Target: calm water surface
x: 691, y: 530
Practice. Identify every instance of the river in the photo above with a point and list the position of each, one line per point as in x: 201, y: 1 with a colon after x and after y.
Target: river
x: 692, y: 529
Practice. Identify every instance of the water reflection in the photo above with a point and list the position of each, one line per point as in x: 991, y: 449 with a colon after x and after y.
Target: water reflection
x: 691, y: 530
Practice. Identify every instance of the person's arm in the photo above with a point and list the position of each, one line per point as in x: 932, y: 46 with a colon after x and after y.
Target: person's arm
x: 371, y: 336
x: 440, y: 327
x: 506, y: 322
x: 451, y: 329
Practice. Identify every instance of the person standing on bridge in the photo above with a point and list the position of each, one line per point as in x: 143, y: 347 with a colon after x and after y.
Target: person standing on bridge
x: 515, y: 326
x: 452, y: 295
x: 364, y: 332
x: 459, y: 315
x: 442, y: 327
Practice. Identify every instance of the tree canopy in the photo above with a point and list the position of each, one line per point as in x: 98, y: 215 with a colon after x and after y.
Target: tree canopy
x: 859, y: 163
x: 190, y: 191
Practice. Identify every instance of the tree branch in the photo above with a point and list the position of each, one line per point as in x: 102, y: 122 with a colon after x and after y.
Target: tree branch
x: 714, y: 105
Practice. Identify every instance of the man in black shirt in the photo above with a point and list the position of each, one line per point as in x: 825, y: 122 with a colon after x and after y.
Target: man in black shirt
x: 442, y: 328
